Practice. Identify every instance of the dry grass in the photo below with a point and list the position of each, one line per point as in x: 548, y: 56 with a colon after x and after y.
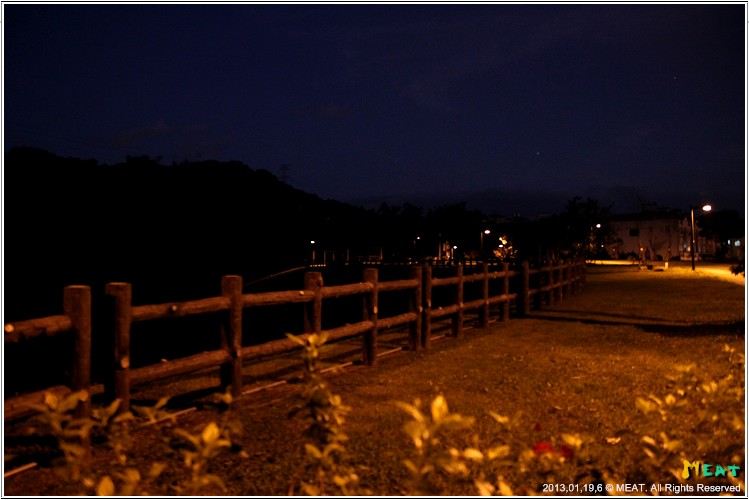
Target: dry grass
x: 575, y: 367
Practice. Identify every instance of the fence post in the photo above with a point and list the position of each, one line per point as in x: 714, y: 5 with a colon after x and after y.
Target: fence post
x: 567, y: 278
x: 231, y: 335
x: 426, y: 323
x: 485, y: 293
x: 122, y: 311
x: 505, y: 291
x: 414, y: 306
x: 77, y: 306
x: 550, y: 284
x: 370, y: 314
x: 458, y: 318
x: 525, y: 290
x: 313, y: 312
x: 538, y: 296
x: 558, y: 291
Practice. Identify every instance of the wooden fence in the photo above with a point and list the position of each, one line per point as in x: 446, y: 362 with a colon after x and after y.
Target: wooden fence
x: 533, y: 288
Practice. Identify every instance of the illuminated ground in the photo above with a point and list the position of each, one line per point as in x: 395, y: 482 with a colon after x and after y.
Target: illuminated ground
x: 575, y: 367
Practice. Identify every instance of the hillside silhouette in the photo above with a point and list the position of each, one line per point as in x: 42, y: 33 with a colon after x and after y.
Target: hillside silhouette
x: 171, y: 230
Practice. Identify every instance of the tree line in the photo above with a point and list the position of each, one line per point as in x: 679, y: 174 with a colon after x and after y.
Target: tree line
x: 182, y: 226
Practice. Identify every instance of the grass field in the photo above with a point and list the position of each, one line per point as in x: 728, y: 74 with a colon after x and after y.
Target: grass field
x: 576, y: 368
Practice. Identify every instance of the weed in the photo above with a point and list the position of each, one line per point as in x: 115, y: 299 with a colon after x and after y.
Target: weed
x: 325, y: 414
x: 715, y: 414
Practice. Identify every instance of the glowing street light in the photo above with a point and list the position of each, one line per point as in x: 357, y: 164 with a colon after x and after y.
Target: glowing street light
x: 705, y: 208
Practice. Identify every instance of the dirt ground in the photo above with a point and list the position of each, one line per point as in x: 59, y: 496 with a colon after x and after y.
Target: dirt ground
x: 574, y: 367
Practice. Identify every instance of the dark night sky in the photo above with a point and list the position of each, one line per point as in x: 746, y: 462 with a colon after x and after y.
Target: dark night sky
x: 536, y: 102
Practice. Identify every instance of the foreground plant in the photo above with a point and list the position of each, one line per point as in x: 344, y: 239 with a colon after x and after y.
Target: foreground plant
x: 325, y: 414
x: 715, y: 412
x: 428, y: 432
x: 214, y: 439
x: 71, y: 434
x: 74, y: 436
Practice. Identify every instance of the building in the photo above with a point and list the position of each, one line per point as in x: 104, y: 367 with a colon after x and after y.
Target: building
x: 658, y: 234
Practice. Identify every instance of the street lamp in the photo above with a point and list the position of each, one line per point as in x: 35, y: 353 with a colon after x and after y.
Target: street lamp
x: 705, y: 208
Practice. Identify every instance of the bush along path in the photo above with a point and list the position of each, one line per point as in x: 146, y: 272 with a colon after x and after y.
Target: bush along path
x: 635, y: 387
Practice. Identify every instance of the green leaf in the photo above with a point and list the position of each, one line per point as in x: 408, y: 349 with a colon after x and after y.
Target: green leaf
x: 105, y: 488
x: 656, y: 399
x: 572, y: 440
x: 672, y: 445
x: 498, y: 452
x: 312, y: 451
x: 411, y: 466
x: 161, y: 403
x: 455, y: 467
x: 195, y: 440
x: 112, y: 408
x: 500, y: 418
x: 473, y: 454
x: 209, y: 479
x: 484, y: 488
x: 415, y: 430
x: 645, y: 406
x: 649, y: 440
x: 456, y: 421
x: 123, y: 417
x: 411, y: 410
x: 296, y: 339
x: 131, y: 475
x: 310, y: 490
x: 156, y: 470
x: 71, y: 401
x: 504, y: 489
x: 439, y: 408
x: 210, y: 433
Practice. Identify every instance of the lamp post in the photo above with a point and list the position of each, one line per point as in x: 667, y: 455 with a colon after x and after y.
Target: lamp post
x: 705, y: 208
x: 485, y: 231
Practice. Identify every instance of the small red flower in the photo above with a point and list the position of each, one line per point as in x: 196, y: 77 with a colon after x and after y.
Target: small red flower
x: 543, y: 447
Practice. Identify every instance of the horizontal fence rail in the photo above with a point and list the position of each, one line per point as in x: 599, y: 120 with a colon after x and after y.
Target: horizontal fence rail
x: 525, y: 287
x: 75, y: 320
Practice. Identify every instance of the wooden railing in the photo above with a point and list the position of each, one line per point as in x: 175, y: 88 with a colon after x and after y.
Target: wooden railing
x: 547, y: 284
x: 75, y: 320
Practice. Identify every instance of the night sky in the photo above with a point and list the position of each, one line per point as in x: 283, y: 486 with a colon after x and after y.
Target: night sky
x: 527, y: 104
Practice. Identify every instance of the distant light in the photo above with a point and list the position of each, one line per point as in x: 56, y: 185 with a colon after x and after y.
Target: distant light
x: 312, y: 242
x: 455, y: 247
x: 486, y: 231
x: 418, y: 237
x: 707, y: 208
x: 598, y: 226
